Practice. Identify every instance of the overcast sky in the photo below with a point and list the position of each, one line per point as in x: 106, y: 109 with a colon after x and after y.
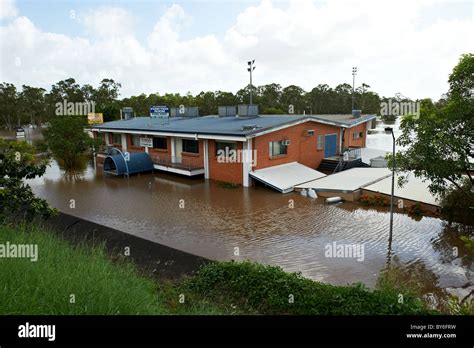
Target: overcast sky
x: 408, y: 47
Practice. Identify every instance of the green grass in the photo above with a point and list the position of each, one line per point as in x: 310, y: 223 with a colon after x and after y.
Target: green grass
x: 45, y: 286
x: 103, y: 286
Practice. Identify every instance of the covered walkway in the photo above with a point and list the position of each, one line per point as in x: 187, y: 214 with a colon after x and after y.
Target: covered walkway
x: 117, y: 164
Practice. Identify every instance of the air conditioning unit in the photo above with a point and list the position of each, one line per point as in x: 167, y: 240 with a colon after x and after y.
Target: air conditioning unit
x: 286, y: 142
x: 309, y: 132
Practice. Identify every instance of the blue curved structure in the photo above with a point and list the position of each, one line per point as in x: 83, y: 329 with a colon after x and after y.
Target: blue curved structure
x: 117, y: 164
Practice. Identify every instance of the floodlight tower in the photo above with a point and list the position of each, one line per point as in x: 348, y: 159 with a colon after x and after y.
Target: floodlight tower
x: 354, y: 73
x: 251, y: 67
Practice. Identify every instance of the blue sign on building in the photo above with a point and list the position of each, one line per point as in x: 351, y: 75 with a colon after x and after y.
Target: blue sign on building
x: 159, y: 111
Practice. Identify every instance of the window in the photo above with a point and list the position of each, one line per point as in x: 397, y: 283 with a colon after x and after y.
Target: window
x: 136, y: 140
x: 117, y: 138
x: 320, y: 144
x: 160, y: 143
x: 356, y: 135
x: 191, y: 146
x: 277, y: 148
x: 223, y: 148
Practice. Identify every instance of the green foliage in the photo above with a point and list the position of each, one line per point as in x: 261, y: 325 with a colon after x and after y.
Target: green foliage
x: 17, y: 162
x: 68, y: 140
x: 269, y: 290
x: 35, y: 105
x: 227, y: 185
x: 438, y: 144
x: 455, y: 205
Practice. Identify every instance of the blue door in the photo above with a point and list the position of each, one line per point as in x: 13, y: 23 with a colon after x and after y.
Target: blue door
x: 330, y: 142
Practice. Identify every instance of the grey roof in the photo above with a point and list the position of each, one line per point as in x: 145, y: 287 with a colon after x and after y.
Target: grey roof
x: 225, y: 125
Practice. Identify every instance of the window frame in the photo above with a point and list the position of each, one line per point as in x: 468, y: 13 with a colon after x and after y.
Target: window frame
x: 233, y: 143
x: 271, y: 149
x: 119, y: 136
x: 320, y: 142
x: 132, y: 143
x: 185, y: 149
x: 165, y: 143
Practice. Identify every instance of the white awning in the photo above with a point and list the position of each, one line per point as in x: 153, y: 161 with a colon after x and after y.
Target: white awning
x: 285, y: 176
x: 414, y: 189
x: 347, y: 180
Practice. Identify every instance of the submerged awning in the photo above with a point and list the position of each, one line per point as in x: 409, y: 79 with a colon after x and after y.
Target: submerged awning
x: 285, y: 176
x: 138, y: 162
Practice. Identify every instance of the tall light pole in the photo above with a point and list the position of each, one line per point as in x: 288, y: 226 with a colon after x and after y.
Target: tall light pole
x: 390, y: 130
x: 251, y: 67
x: 354, y: 73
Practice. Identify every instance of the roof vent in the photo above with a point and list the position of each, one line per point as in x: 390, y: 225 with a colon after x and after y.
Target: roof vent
x: 227, y: 111
x: 184, y: 111
x: 249, y: 127
x: 356, y: 113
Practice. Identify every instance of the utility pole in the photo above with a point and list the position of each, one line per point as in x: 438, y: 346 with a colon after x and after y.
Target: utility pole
x: 354, y: 73
x: 251, y: 67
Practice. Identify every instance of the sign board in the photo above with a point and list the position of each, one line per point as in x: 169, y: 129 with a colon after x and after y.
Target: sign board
x: 146, y: 142
x: 160, y: 111
x: 95, y: 118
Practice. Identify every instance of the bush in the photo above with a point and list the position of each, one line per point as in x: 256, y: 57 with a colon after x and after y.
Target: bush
x: 270, y: 290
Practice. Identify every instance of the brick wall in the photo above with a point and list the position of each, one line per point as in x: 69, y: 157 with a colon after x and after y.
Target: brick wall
x: 302, y: 148
x: 228, y: 172
x: 349, y: 140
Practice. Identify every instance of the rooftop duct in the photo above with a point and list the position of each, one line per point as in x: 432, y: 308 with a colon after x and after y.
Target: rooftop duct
x: 227, y: 111
x: 248, y: 110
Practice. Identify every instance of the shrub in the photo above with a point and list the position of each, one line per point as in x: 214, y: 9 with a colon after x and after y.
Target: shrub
x: 269, y: 290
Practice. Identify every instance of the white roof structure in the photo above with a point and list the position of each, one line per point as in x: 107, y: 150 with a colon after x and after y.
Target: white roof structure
x: 285, y: 176
x: 367, y: 153
x: 347, y: 180
x: 415, y: 189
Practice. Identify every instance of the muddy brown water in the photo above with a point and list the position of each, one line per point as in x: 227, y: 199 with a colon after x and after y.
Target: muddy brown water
x: 214, y: 221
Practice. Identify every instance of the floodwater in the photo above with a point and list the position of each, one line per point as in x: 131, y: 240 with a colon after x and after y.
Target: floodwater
x: 259, y: 224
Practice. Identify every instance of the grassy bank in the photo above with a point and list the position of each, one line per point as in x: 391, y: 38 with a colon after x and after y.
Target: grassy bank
x: 103, y: 286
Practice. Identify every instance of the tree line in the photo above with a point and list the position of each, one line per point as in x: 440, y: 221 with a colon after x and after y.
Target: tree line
x: 33, y: 105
